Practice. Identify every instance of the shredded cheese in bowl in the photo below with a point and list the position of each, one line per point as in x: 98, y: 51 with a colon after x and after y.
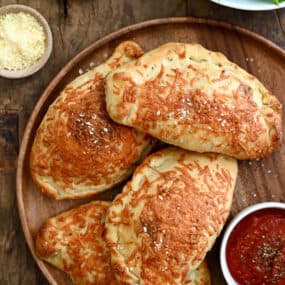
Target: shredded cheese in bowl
x: 22, y: 41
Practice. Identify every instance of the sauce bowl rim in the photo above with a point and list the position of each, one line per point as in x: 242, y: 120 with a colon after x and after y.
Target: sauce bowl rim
x: 234, y: 222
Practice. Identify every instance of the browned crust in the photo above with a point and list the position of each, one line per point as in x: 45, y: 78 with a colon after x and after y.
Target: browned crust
x: 78, y: 151
x: 171, y: 187
x: 196, y: 99
x: 73, y: 242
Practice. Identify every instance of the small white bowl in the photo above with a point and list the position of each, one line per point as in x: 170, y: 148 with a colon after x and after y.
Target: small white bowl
x: 42, y: 61
x: 244, y: 213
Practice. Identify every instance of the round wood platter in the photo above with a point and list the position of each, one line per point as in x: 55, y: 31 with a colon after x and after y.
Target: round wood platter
x: 258, y: 180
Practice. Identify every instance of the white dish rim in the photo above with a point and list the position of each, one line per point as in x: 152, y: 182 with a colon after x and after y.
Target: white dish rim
x: 253, y: 7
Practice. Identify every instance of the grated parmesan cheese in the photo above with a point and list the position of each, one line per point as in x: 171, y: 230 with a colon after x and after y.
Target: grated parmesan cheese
x: 22, y: 41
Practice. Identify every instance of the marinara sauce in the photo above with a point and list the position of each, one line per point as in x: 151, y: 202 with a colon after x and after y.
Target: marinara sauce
x: 255, y: 250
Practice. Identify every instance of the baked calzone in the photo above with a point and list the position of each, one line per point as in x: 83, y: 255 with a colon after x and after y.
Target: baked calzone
x: 194, y: 98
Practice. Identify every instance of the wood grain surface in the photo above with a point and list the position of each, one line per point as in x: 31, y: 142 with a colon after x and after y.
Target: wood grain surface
x: 76, y: 24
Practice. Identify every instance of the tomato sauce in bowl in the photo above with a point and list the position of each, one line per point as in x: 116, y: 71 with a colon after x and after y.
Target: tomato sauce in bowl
x: 254, y: 250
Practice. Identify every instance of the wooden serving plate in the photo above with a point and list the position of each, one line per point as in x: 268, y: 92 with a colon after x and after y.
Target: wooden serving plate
x: 259, y: 180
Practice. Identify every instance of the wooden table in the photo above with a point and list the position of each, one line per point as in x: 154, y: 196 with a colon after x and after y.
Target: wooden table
x: 75, y: 24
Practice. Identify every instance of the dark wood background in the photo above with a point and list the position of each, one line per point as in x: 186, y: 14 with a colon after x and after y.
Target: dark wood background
x: 75, y: 24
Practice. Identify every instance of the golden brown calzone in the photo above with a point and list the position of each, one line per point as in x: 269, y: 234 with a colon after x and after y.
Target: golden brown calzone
x: 78, y: 150
x: 168, y: 216
x: 188, y: 96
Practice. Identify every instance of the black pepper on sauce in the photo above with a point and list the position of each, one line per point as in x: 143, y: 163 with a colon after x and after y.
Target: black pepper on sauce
x: 256, y: 249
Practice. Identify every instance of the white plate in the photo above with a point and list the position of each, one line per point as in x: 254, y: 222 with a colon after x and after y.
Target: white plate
x: 250, y: 5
